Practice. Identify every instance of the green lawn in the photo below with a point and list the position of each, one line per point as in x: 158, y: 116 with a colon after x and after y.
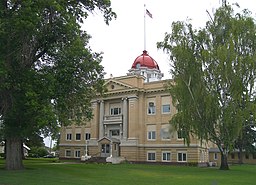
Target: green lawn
x: 48, y: 172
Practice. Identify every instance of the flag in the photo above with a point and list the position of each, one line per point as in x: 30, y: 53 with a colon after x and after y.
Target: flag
x: 149, y: 14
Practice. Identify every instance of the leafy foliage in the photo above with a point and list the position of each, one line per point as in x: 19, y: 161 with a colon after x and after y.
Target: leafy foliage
x: 37, y: 152
x: 214, y: 73
x: 48, y: 73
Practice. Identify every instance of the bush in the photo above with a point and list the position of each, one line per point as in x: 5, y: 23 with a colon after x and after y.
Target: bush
x: 38, y: 152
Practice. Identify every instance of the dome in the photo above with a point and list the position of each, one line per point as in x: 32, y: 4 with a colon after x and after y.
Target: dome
x: 144, y: 60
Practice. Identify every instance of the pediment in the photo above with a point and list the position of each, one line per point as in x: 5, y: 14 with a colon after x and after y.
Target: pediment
x: 104, y: 140
x: 114, y: 85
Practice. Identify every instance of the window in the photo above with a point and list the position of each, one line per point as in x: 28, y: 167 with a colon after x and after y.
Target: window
x: 254, y: 155
x: 151, y: 156
x: 78, y: 136
x: 215, y: 156
x: 151, y: 108
x: 238, y: 155
x: 182, y: 156
x: 232, y: 156
x: 202, y: 156
x: 180, y: 134
x: 166, y: 104
x: 77, y: 153
x: 68, y: 153
x: 151, y: 135
x: 151, y: 132
x: 165, y: 133
x: 69, y: 137
x: 166, y: 156
x: 115, y: 132
x: 166, y: 109
x: 246, y: 156
x: 137, y: 65
x: 115, y: 111
x: 87, y: 136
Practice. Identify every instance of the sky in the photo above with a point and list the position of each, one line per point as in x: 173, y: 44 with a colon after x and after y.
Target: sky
x: 123, y: 40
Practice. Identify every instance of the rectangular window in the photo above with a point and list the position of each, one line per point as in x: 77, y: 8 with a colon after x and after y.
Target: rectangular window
x: 215, y: 157
x: 180, y: 134
x: 246, y: 156
x: 115, y: 132
x: 166, y: 109
x: 77, y: 153
x: 232, y: 156
x: 201, y: 156
x: 166, y: 104
x: 115, y: 111
x: 68, y: 153
x: 182, y: 157
x: 238, y: 155
x: 254, y: 155
x: 69, y: 137
x: 165, y: 132
x: 166, y: 156
x: 87, y: 136
x: 78, y: 136
x: 151, y: 108
x: 151, y: 135
x: 151, y: 156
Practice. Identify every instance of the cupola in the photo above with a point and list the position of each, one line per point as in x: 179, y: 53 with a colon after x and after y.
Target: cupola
x: 146, y: 66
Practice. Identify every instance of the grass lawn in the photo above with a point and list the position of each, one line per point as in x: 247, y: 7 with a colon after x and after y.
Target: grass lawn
x: 49, y: 172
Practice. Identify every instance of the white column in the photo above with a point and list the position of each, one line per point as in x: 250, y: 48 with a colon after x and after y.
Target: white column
x: 125, y: 125
x: 121, y: 131
x: 111, y: 149
x: 101, y: 128
x: 86, y: 148
x: 105, y: 130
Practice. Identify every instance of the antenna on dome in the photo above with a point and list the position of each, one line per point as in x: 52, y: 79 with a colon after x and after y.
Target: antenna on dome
x: 151, y: 16
x: 144, y: 26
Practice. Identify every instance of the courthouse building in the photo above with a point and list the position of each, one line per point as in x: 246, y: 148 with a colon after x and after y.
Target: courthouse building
x: 131, y: 122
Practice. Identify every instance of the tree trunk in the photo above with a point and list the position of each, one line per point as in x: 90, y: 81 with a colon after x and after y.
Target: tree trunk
x: 22, y: 150
x: 240, y: 155
x: 224, y: 161
x: 5, y: 149
x: 13, y: 154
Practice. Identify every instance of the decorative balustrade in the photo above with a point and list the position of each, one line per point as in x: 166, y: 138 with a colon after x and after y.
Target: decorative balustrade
x: 113, y: 119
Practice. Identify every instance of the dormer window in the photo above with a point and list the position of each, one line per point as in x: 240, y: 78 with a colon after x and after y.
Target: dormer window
x: 137, y: 65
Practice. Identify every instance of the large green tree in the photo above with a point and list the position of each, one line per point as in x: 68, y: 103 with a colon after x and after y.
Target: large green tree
x: 214, y: 74
x: 48, y: 73
x: 245, y: 143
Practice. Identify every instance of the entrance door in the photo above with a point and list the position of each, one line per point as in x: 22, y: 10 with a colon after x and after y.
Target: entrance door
x: 105, y: 150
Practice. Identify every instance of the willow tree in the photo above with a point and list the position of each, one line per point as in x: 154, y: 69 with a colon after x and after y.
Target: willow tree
x: 48, y: 73
x: 214, y: 72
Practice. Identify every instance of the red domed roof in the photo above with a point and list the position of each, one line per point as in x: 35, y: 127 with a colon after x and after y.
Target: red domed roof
x: 144, y: 60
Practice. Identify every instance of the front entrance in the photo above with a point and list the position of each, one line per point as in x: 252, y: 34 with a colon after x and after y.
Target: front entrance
x: 105, y: 150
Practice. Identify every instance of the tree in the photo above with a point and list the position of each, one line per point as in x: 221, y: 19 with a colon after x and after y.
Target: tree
x: 34, y: 140
x: 48, y: 73
x: 214, y: 72
x: 38, y: 152
x: 246, y: 141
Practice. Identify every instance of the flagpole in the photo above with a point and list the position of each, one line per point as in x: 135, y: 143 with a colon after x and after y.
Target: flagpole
x: 144, y: 26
